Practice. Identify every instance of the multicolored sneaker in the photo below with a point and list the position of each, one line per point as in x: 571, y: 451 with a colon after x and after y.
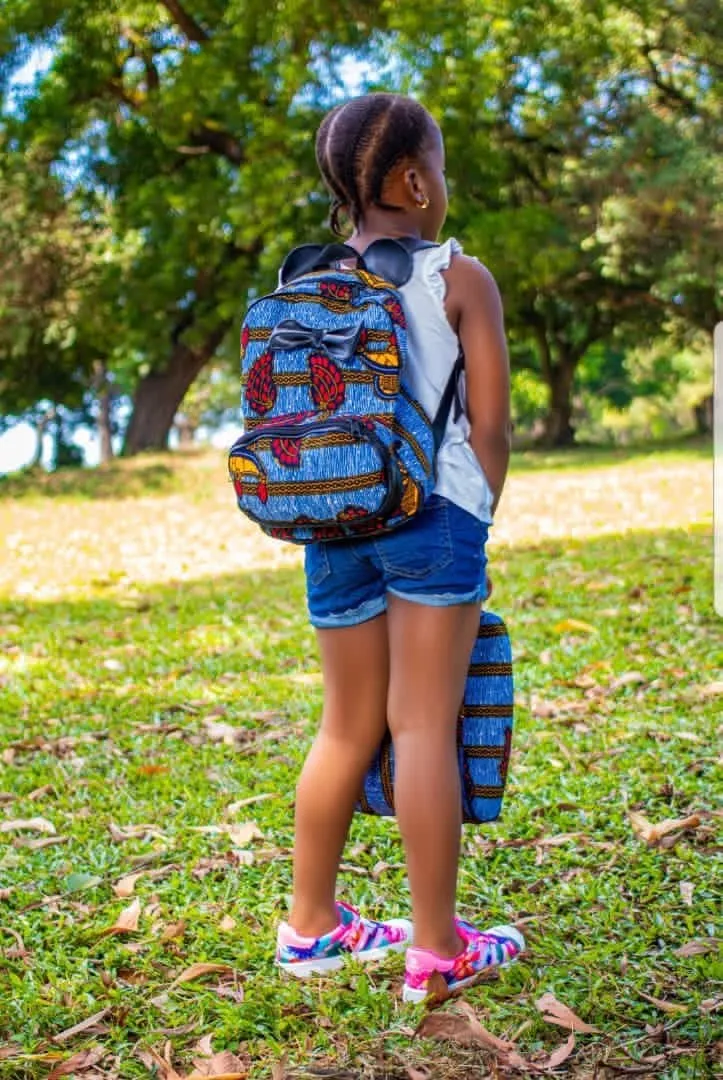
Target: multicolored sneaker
x: 361, y: 938
x: 483, y: 949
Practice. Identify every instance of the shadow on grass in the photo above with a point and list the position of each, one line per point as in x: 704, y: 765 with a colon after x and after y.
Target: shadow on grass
x: 691, y: 447
x: 118, y: 480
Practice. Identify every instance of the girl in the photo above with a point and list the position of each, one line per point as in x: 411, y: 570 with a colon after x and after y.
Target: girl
x: 397, y: 616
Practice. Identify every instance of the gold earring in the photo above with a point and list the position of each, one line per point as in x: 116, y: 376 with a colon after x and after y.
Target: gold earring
x: 423, y: 203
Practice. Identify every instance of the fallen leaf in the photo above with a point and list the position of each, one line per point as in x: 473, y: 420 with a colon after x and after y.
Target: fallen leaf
x: 197, y: 971
x: 10, y: 1050
x: 79, y: 881
x: 416, y: 1074
x: 666, y: 1006
x: 18, y: 952
x: 127, y: 921
x: 124, y: 888
x: 152, y: 770
x: 461, y: 1026
x: 219, y: 731
x: 134, y: 832
x: 240, y: 834
x: 36, y: 824
x: 227, y: 924
x: 154, y: 1062
x: 653, y: 834
x: 698, y: 947
x: 568, y: 625
x: 41, y: 792
x: 713, y: 689
x: 84, y: 1025
x: 234, y: 807
x: 84, y: 1059
x: 686, y: 892
x: 43, y: 842
x: 232, y: 993
x: 554, y: 1012
x: 278, y: 1070
x: 174, y: 930
x: 561, y: 1054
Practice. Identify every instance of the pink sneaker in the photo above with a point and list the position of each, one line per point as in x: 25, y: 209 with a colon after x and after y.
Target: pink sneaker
x: 483, y: 949
x: 363, y: 939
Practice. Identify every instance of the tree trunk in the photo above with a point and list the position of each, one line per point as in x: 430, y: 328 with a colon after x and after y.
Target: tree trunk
x: 558, y: 429
x: 703, y: 413
x: 160, y: 393
x: 104, y: 395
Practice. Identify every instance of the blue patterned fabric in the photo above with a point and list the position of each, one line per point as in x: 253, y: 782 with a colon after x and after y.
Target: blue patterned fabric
x: 334, y: 445
x: 484, y: 734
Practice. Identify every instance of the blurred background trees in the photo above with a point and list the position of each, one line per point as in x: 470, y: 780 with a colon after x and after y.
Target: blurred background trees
x: 156, y: 163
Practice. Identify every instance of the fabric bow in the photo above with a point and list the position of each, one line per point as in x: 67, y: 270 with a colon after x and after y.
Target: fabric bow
x: 337, y: 344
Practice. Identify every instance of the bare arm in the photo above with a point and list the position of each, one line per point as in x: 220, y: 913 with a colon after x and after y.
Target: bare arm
x: 474, y: 308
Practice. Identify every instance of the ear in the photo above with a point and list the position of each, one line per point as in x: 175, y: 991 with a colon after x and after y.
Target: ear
x: 414, y: 187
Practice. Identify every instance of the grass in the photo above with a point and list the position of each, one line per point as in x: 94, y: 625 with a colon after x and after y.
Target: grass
x: 138, y: 707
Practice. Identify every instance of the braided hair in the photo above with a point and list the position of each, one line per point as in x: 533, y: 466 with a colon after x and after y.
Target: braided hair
x: 357, y: 145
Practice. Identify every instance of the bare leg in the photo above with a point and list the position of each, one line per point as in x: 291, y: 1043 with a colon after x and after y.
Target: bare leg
x: 430, y: 649
x: 355, y: 665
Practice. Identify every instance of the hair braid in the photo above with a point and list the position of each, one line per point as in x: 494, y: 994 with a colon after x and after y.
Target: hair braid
x: 359, y: 142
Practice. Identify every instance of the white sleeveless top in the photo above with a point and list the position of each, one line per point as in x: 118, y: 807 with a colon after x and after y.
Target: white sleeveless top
x: 433, y: 348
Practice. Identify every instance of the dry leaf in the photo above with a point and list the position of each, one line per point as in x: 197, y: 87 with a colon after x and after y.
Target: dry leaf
x: 461, y: 1026
x: 227, y: 923
x: 127, y: 921
x: 666, y: 1006
x: 416, y: 1074
x: 10, y: 1050
x: 152, y: 1060
x: 240, y: 834
x: 554, y: 1012
x: 234, y: 807
x: 174, y: 930
x: 84, y: 1059
x: 36, y: 824
x: 686, y: 892
x: 561, y: 1054
x: 84, y: 1025
x: 566, y: 626
x: 119, y: 834
x: 713, y: 689
x: 124, y: 888
x: 197, y: 971
x: 152, y: 770
x: 653, y: 834
x: 278, y: 1070
x: 697, y: 947
x: 42, y: 842
x: 222, y: 1066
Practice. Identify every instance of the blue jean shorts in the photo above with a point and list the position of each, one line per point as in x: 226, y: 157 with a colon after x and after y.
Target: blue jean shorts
x: 437, y: 559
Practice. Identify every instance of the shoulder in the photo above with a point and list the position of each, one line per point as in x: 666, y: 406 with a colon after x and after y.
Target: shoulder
x: 471, y: 290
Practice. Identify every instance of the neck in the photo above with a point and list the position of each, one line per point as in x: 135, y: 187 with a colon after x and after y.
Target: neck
x: 378, y: 225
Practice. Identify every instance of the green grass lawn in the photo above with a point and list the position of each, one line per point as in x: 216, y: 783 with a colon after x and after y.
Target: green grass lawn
x: 142, y: 722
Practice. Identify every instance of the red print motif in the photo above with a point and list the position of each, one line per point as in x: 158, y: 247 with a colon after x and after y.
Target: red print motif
x: 395, y: 311
x: 327, y: 384
x: 245, y: 336
x: 262, y: 492
x: 335, y: 290
x: 287, y: 451
x: 350, y: 513
x: 260, y: 386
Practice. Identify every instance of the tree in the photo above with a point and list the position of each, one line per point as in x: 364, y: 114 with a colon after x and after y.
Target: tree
x: 194, y: 122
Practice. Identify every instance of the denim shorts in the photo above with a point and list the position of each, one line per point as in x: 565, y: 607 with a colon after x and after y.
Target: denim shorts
x: 437, y: 559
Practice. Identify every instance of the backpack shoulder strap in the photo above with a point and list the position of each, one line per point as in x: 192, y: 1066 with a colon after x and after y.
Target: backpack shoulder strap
x: 312, y: 257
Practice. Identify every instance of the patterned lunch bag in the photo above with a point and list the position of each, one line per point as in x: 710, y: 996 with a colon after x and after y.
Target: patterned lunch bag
x: 484, y: 733
x: 334, y: 444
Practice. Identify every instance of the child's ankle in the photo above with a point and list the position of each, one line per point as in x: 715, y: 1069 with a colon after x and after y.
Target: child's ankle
x: 310, y: 923
x: 447, y: 947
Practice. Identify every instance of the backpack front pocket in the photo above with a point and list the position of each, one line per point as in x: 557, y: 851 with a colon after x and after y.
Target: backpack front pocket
x: 306, y: 478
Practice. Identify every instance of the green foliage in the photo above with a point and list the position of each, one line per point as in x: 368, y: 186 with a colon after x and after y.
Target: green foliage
x: 583, y: 150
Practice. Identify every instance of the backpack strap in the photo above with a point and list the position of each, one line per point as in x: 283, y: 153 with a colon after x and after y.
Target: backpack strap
x: 312, y: 257
x: 450, y: 397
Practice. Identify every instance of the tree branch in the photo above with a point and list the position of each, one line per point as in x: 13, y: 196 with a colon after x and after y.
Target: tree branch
x: 219, y: 141
x: 192, y: 30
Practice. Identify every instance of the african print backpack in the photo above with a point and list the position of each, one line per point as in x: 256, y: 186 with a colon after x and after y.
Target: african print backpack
x: 334, y: 444
x: 484, y: 733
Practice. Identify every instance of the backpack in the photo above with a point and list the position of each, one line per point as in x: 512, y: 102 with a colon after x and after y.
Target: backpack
x: 484, y: 733
x: 335, y: 445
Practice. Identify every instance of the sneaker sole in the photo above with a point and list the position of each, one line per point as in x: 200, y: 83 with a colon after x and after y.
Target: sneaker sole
x: 303, y: 969
x: 414, y: 997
